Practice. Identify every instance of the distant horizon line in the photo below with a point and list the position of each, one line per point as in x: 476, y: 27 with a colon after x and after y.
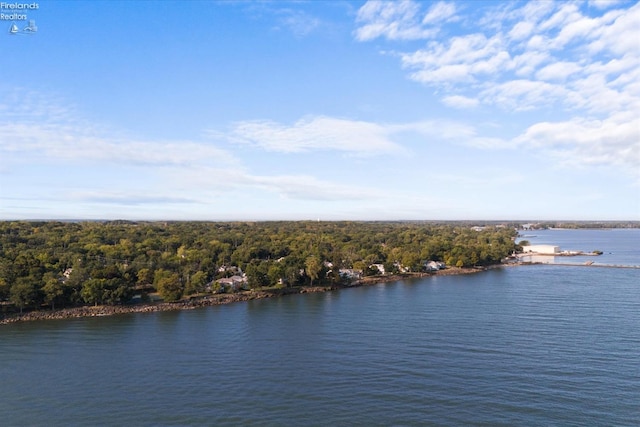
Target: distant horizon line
x: 533, y: 221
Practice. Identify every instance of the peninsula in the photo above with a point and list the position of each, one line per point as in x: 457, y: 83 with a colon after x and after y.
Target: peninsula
x: 122, y: 266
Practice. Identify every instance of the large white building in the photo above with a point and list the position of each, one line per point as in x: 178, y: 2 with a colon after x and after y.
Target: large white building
x: 541, y: 249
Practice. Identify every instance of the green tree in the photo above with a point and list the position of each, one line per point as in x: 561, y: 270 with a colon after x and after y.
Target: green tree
x: 5, y: 289
x: 117, y: 291
x: 312, y: 267
x: 168, y: 285
x: 145, y: 276
x: 196, y: 283
x: 24, y: 292
x: 53, y: 289
x: 257, y: 274
x: 276, y: 273
x: 73, y: 284
x: 94, y: 291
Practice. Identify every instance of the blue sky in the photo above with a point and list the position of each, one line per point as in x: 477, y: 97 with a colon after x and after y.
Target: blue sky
x: 233, y: 110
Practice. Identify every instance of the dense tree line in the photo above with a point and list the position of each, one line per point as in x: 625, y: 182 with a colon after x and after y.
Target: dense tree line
x: 66, y: 264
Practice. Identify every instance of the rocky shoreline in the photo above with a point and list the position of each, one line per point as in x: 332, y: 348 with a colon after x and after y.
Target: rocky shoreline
x: 212, y: 300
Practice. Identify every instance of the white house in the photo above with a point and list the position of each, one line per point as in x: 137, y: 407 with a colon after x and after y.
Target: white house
x: 541, y: 249
x: 400, y: 267
x: 433, y: 265
x: 379, y: 267
x: 350, y: 274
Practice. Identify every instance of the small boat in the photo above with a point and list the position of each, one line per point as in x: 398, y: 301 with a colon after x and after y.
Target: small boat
x: 14, y: 29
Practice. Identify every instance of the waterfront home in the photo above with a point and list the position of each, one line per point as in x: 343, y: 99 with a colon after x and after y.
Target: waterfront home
x: 229, y: 269
x: 233, y: 283
x: 350, y: 274
x: 433, y: 265
x: 379, y: 267
x: 400, y: 267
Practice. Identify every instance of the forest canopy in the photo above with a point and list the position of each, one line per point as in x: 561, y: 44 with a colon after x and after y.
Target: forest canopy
x: 62, y: 264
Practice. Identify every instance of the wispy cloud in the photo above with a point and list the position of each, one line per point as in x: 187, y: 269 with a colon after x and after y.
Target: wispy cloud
x: 440, y: 13
x: 127, y: 198
x: 215, y: 182
x: 322, y: 133
x: 196, y: 171
x: 300, y: 23
x: 604, y: 4
x: 353, y: 137
x: 462, y: 59
x: 294, y: 20
x: 402, y: 20
x: 581, y: 59
x: 78, y: 144
x: 459, y: 101
x: 303, y: 187
x: 394, y: 20
x: 549, y: 47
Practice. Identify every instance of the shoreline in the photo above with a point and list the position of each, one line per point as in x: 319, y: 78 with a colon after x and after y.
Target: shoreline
x: 220, y: 299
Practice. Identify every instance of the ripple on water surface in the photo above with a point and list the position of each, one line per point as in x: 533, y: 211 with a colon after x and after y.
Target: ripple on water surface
x: 520, y: 346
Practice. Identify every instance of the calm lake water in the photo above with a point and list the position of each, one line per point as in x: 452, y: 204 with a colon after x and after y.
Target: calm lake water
x: 618, y: 246
x: 531, y: 345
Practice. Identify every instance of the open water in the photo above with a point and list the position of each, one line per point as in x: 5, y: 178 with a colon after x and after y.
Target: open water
x: 530, y: 345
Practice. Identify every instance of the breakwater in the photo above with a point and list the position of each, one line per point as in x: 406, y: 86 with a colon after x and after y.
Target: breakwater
x: 187, y: 304
x: 580, y: 264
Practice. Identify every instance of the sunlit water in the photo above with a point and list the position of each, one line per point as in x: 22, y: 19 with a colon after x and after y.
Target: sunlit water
x: 528, y: 345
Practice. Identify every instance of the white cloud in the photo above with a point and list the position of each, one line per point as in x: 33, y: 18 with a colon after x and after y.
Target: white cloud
x: 567, y: 13
x: 558, y: 71
x: 603, y: 4
x: 458, y: 101
x: 528, y: 62
x: 42, y: 126
x: 450, y: 131
x: 614, y: 141
x: 298, y: 22
x: 78, y: 144
x: 175, y: 173
x: 579, y: 59
x: 361, y: 139
x: 213, y: 181
x: 534, y: 11
x: 521, y: 30
x: 620, y: 37
x: 126, y: 198
x: 584, y: 28
x: 544, y: 45
x: 460, y: 60
x: 521, y: 95
x: 394, y: 20
x: 439, y: 13
x: 315, y: 133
